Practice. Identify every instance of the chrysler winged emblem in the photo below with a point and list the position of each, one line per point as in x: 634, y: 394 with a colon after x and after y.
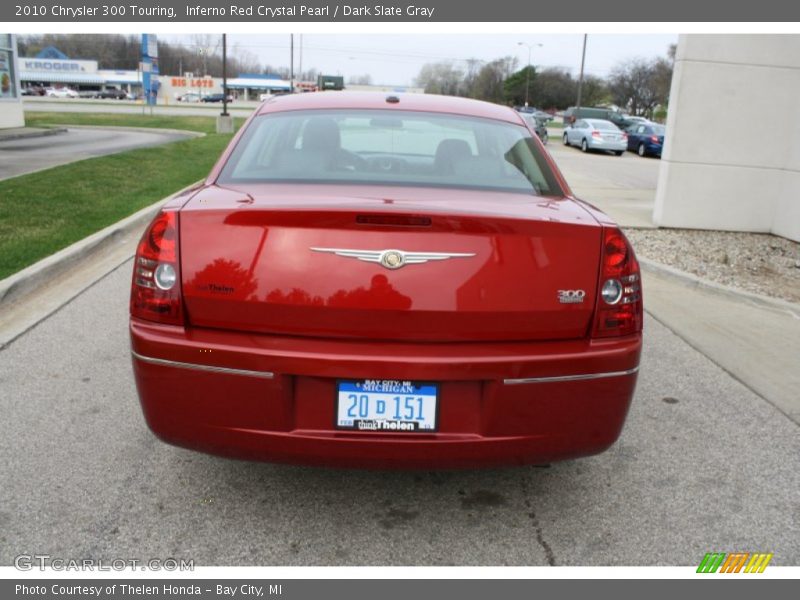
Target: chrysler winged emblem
x: 393, y: 259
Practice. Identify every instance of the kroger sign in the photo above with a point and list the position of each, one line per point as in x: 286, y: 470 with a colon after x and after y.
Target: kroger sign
x: 61, y: 66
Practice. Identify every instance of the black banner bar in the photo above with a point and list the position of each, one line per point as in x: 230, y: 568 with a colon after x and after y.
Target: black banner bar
x: 249, y: 11
x: 370, y: 589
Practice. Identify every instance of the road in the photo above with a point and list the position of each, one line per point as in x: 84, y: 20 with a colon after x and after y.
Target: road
x: 703, y: 464
x: 622, y: 186
x: 20, y: 156
x: 237, y: 109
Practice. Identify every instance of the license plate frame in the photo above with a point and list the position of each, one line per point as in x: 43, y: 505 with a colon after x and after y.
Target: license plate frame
x: 379, y: 389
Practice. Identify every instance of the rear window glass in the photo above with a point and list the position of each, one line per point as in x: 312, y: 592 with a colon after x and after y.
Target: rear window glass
x: 659, y: 129
x: 390, y: 148
x: 604, y: 125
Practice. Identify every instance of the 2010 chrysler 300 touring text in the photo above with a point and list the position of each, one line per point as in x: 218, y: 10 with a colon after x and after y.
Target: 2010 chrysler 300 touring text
x: 401, y: 281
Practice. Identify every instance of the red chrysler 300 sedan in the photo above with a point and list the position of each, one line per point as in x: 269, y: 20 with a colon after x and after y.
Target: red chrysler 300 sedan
x: 385, y: 281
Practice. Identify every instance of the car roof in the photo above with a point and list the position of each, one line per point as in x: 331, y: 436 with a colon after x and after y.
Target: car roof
x: 378, y: 100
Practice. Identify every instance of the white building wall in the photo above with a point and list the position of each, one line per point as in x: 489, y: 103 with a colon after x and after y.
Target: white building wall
x: 11, y: 112
x: 732, y: 153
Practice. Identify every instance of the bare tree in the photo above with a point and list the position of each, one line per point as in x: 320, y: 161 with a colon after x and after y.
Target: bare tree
x: 440, y: 78
x: 365, y: 79
x: 640, y: 85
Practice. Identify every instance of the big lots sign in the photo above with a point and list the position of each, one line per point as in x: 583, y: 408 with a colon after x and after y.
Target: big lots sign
x: 183, y: 82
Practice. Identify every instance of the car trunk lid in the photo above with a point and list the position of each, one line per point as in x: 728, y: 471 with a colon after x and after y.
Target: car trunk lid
x: 306, y: 260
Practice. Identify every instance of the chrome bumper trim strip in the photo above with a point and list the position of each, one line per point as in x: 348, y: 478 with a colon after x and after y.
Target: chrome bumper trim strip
x: 195, y: 367
x: 570, y: 377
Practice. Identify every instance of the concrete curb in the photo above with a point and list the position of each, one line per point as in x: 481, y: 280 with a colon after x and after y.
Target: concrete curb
x: 717, y: 288
x: 187, y: 132
x: 35, y: 277
x: 39, y: 132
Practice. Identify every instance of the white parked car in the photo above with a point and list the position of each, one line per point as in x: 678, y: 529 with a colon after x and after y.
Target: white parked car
x: 190, y: 97
x: 60, y: 93
x: 596, y: 134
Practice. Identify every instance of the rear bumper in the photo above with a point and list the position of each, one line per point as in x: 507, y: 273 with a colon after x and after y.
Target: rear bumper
x: 272, y: 398
x: 614, y: 146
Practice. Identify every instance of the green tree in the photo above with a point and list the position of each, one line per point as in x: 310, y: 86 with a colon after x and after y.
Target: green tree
x: 518, y: 86
x: 554, y: 89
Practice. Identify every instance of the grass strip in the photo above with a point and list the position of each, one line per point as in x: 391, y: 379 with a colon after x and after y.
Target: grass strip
x: 43, y: 212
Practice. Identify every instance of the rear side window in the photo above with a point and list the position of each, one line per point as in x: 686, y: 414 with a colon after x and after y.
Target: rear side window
x: 390, y: 148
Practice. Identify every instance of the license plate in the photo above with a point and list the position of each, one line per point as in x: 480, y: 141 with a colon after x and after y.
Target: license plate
x: 386, y: 405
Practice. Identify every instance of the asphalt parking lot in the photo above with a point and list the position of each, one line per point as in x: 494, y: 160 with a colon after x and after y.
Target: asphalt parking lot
x: 622, y: 186
x: 703, y: 464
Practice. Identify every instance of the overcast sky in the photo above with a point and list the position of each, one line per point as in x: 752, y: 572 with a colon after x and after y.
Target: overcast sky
x: 396, y: 59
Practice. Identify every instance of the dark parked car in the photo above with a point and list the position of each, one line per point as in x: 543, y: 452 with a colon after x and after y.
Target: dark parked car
x: 215, y: 98
x: 33, y: 90
x: 538, y: 125
x: 111, y: 93
x: 646, y: 139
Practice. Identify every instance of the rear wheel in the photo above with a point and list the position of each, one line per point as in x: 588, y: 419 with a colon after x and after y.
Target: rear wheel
x: 545, y: 137
x: 641, y: 150
x: 566, y: 141
x: 584, y: 145
x: 619, y: 152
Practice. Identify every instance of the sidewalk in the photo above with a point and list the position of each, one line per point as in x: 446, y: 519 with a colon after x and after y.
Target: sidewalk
x: 756, y: 343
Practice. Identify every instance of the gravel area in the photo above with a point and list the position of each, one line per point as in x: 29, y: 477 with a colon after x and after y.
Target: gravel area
x: 756, y: 262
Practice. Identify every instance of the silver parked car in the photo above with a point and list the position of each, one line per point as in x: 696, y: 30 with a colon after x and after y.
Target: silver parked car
x: 596, y: 134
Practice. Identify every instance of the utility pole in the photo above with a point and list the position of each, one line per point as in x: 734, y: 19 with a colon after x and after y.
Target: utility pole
x: 291, y: 63
x: 580, y: 79
x: 224, y: 120
x: 300, y: 65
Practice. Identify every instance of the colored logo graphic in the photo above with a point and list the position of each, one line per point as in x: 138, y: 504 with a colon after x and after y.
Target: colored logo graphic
x: 735, y: 562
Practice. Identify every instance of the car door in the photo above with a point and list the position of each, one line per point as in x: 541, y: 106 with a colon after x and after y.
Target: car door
x: 635, y: 136
x: 574, y: 132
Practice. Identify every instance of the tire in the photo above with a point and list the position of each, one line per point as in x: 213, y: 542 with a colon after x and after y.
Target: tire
x: 619, y: 152
x: 641, y: 151
x: 566, y: 141
x: 545, y: 138
x: 584, y: 145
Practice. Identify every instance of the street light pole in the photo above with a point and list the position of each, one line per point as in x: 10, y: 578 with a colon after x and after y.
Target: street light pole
x: 224, y: 75
x: 528, y: 70
x: 580, y: 80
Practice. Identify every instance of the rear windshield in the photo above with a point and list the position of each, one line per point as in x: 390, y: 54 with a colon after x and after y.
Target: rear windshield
x: 604, y: 125
x: 390, y: 148
x: 659, y: 129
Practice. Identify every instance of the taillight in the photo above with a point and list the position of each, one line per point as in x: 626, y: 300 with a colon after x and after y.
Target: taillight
x: 619, y: 307
x: 624, y: 136
x: 156, y: 286
x: 596, y: 134
x: 654, y: 139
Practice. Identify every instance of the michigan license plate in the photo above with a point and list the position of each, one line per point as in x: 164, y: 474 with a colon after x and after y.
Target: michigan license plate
x: 386, y: 405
